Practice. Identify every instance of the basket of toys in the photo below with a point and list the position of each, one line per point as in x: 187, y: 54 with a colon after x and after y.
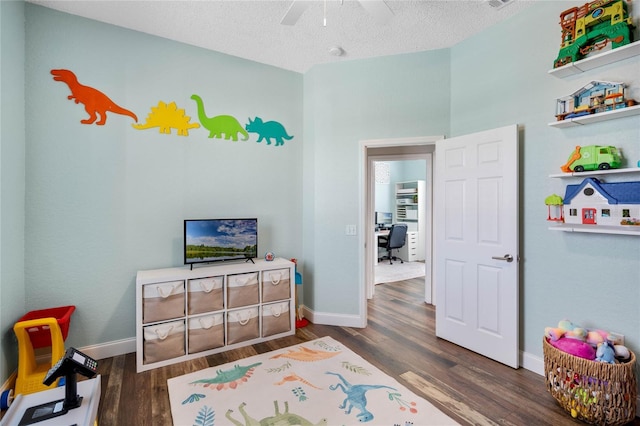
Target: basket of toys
x: 593, y: 391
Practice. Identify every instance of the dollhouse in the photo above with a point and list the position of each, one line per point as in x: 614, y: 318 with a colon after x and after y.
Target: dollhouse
x: 593, y: 202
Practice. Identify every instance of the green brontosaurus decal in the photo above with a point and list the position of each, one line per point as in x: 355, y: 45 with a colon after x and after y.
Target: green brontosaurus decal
x: 220, y: 126
x: 267, y: 130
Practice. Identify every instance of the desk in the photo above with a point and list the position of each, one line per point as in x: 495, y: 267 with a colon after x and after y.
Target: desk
x: 378, y: 234
x: 85, y: 415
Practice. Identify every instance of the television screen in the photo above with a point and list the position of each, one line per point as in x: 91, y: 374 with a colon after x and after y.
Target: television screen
x: 215, y: 240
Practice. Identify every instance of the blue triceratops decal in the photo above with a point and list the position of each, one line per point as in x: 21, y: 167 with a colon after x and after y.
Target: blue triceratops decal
x: 267, y: 130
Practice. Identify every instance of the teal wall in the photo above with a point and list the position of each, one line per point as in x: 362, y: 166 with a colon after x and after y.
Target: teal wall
x: 396, y: 96
x: 499, y: 77
x: 12, y: 180
x: 104, y: 202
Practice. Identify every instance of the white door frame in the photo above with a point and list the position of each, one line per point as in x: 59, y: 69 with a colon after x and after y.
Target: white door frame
x: 366, y: 209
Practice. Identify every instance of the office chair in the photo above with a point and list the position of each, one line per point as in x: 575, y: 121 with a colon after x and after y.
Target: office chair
x: 397, y: 238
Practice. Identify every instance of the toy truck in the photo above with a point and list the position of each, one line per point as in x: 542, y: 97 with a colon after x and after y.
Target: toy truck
x: 592, y: 157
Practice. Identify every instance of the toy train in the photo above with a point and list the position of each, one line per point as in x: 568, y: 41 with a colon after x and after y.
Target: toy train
x: 595, y: 97
x: 592, y: 27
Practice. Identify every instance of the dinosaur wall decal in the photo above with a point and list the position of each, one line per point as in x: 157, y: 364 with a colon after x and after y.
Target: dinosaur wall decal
x: 219, y: 126
x: 95, y: 102
x: 168, y: 116
x: 267, y: 130
x: 355, y: 397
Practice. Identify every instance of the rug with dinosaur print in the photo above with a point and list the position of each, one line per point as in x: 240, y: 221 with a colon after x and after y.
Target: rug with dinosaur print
x: 320, y: 382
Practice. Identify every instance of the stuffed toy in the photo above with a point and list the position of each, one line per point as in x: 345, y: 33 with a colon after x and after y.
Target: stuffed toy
x: 574, y: 347
x: 606, y: 353
x: 566, y: 329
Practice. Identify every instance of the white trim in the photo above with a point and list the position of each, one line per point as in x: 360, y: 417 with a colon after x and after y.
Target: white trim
x: 532, y: 363
x: 365, y: 265
x: 327, y: 318
x: 110, y: 349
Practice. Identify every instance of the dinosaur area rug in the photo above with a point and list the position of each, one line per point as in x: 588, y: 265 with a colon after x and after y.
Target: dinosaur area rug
x: 320, y: 382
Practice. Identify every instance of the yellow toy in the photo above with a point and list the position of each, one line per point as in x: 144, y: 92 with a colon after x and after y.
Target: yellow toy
x: 30, y: 373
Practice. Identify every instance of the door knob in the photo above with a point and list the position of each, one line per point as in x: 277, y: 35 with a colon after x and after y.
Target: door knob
x: 506, y: 257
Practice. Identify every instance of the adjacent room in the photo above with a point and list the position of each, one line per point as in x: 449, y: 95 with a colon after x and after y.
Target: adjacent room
x: 228, y: 176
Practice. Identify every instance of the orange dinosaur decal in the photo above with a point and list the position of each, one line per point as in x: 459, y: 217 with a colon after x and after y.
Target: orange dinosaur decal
x: 95, y: 102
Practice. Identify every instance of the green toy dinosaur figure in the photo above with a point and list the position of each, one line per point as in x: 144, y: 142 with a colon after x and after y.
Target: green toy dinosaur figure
x: 221, y: 125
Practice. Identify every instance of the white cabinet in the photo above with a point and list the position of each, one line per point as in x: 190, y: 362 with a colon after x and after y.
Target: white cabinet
x: 409, y: 252
x: 410, y: 208
x: 184, y: 313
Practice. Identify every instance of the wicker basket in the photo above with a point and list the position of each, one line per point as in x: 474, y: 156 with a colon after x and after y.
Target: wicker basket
x: 595, y: 392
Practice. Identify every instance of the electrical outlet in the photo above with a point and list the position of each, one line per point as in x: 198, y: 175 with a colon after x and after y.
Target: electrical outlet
x: 616, y: 338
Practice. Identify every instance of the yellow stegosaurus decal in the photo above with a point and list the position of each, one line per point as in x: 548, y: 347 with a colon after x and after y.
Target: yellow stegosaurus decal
x: 168, y: 116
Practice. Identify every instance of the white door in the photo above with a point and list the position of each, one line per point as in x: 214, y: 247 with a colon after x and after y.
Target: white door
x: 476, y: 240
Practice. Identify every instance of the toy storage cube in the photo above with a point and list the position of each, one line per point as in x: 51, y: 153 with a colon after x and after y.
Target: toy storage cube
x: 242, y: 290
x: 242, y: 325
x: 205, y: 295
x: 162, y: 301
x: 206, y: 332
x: 276, y: 285
x: 276, y: 318
x: 163, y: 341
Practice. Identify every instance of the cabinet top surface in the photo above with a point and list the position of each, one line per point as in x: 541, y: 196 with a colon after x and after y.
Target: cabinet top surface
x: 184, y: 272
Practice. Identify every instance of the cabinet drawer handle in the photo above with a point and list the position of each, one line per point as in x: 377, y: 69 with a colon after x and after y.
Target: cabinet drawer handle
x: 161, y: 293
x: 159, y: 334
x: 204, y: 288
x: 276, y: 281
x: 203, y: 325
x: 272, y: 309
x: 241, y: 321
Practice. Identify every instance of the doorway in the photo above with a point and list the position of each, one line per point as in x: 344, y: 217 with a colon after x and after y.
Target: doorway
x: 393, y: 150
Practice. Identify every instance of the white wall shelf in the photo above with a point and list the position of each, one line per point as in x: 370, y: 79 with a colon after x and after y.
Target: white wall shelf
x: 596, y: 173
x: 596, y: 118
x: 628, y: 51
x: 598, y: 229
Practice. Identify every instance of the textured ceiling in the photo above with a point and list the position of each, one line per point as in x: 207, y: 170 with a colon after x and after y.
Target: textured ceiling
x: 252, y: 29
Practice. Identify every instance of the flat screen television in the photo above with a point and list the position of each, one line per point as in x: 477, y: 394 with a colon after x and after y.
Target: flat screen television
x: 217, y: 240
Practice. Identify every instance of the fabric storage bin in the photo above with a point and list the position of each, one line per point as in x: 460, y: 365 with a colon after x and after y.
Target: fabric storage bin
x: 206, y: 332
x: 163, y: 341
x: 275, y: 318
x: 205, y: 295
x: 276, y: 285
x: 595, y: 392
x: 242, y: 290
x: 242, y: 324
x: 162, y: 301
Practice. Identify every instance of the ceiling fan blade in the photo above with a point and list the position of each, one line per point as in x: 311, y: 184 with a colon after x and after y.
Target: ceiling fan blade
x: 295, y: 11
x: 378, y: 9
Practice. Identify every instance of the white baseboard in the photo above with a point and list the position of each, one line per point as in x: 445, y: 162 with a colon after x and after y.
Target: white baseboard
x: 532, y: 363
x: 110, y: 349
x: 339, y: 320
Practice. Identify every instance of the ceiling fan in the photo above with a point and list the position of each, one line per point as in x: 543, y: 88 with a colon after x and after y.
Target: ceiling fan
x: 378, y: 9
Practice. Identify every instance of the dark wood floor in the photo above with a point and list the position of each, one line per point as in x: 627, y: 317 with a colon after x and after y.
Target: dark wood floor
x: 400, y: 340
